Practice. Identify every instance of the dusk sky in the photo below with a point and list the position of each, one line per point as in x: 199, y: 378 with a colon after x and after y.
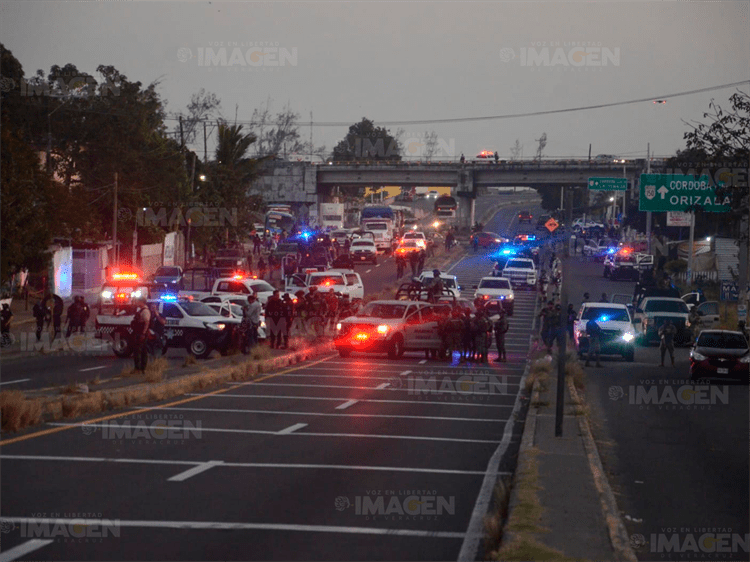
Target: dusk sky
x: 401, y: 61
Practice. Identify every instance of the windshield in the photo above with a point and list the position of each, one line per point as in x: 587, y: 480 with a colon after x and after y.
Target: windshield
x: 377, y: 226
x: 362, y: 243
x: 520, y: 264
x: 327, y: 280
x: 605, y: 314
x: 419, y: 235
x: 198, y: 309
x: 376, y: 310
x: 666, y: 306
x: 722, y: 341
x: 261, y: 286
x: 167, y: 272
x: 494, y: 284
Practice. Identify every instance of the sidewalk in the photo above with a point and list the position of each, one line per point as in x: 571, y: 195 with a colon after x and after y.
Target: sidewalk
x: 575, y: 513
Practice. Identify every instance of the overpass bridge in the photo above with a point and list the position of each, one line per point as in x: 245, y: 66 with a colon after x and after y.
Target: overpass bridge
x: 311, y: 183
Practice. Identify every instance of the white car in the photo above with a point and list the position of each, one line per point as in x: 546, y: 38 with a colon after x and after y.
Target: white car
x: 364, y: 249
x: 618, y: 336
x: 243, y: 286
x: 343, y: 281
x: 450, y: 282
x: 416, y: 235
x: 496, y: 289
x: 652, y: 312
x: 521, y: 272
x: 586, y: 224
x: 228, y: 309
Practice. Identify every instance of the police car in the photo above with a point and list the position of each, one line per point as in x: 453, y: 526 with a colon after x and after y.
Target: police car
x: 621, y: 265
x: 449, y: 282
x: 190, y: 324
x: 392, y: 327
x: 617, y: 333
x: 496, y: 289
x: 120, y: 290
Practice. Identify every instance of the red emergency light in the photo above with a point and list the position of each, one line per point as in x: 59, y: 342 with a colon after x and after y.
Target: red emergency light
x: 238, y: 276
x: 362, y: 336
x: 119, y: 276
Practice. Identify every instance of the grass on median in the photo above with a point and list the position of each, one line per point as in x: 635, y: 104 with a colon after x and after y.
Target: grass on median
x: 17, y: 411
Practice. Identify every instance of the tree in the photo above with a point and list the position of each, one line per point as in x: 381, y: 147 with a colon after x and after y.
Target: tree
x: 516, y: 150
x: 540, y: 148
x: 365, y: 141
x: 279, y: 135
x: 202, y: 106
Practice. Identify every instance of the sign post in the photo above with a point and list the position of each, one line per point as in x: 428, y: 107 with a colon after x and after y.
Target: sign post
x: 608, y: 184
x: 691, y: 250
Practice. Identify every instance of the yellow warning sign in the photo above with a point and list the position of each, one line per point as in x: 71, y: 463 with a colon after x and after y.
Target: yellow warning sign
x: 551, y: 225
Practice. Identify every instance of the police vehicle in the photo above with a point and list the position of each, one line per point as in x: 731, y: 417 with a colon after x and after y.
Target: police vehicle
x: 496, y: 289
x: 521, y: 272
x: 617, y: 333
x: 190, y: 324
x: 120, y: 290
x: 622, y: 264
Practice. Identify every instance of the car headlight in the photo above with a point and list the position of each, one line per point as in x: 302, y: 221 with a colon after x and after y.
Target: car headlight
x: 695, y: 356
x: 628, y: 336
x: 263, y: 325
x: 106, y: 294
x: 687, y: 323
x: 383, y: 329
x: 745, y: 359
x: 509, y: 297
x: 338, y: 327
x: 136, y: 294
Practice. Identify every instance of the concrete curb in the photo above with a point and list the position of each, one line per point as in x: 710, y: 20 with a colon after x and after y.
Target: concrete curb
x: 618, y: 535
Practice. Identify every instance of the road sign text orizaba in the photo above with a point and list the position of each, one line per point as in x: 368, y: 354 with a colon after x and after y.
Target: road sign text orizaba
x: 672, y: 192
x: 608, y: 184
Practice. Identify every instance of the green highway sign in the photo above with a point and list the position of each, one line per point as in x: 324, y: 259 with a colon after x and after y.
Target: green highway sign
x: 608, y: 184
x: 674, y: 192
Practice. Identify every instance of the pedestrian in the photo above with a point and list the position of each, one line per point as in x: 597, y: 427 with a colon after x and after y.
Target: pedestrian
x: 139, y: 328
x: 253, y: 309
x: 667, y: 333
x: 40, y: 313
x: 586, y: 297
x: 456, y: 334
x: 431, y: 247
x: 57, y: 311
x: 261, y: 268
x: 272, y: 265
x: 571, y: 320
x: 5, y: 317
x: 475, y: 243
x: 73, y: 318
x: 436, y: 287
x: 347, y: 245
x: 604, y: 297
x: 462, y: 159
x: 444, y: 328
x: 468, y: 337
x: 85, y: 313
x: 501, y: 328
x: 332, y: 306
x: 336, y: 247
x: 497, y: 157
x: 420, y: 265
x: 274, y: 319
x: 256, y: 244
x: 594, y: 333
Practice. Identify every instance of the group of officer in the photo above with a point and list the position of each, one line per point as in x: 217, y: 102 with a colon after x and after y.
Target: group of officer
x: 471, y: 336
x: 50, y: 310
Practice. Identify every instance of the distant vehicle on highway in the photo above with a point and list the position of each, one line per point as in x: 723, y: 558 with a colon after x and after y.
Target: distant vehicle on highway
x: 496, y: 289
x: 488, y: 239
x: 604, y: 158
x: 485, y: 156
x: 433, y: 194
x: 524, y: 216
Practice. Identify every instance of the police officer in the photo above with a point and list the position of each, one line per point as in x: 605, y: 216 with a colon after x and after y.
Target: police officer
x: 421, y: 263
x: 436, y: 288
x: 57, y: 311
x: 40, y: 313
x: 468, y: 337
x: 85, y: 313
x: 274, y: 319
x: 481, y: 328
x: 139, y: 326
x: 414, y: 262
x: 73, y: 318
x: 332, y: 307
x: 667, y: 333
x: 501, y: 328
x: 288, y: 316
x: 156, y: 327
x: 5, y: 316
x: 594, y: 333
x: 400, y: 266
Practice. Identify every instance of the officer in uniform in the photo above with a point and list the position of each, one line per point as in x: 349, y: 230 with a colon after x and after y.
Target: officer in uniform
x: 139, y: 326
x: 481, y: 328
x: 667, y: 333
x: 594, y: 333
x: 501, y: 328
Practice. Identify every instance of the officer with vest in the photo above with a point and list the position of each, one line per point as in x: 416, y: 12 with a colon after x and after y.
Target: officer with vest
x: 139, y: 327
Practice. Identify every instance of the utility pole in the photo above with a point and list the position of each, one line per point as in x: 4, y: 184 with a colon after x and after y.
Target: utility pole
x: 205, y: 148
x: 648, y: 213
x: 114, y: 226
x: 562, y: 331
x: 589, y: 152
x: 182, y: 138
x: 311, y: 137
x: 691, y: 249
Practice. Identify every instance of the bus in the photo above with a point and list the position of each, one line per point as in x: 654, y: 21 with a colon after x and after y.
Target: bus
x: 446, y: 208
x: 278, y: 221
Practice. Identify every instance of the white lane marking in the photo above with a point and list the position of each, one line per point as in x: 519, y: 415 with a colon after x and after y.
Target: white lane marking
x: 16, y: 381
x: 382, y: 401
x: 261, y: 465
x: 312, y: 376
x: 639, y: 481
x: 182, y: 476
x: 343, y: 406
x: 306, y: 434
x: 378, y: 265
x: 404, y: 373
x: 475, y: 531
x: 382, y: 386
x: 92, y: 369
x: 346, y: 405
x: 369, y: 270
x: 225, y: 526
x: 423, y: 361
x: 23, y: 548
x: 291, y: 429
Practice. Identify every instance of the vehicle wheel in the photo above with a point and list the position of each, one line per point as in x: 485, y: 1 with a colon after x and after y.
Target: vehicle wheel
x: 629, y: 355
x: 198, y: 346
x: 344, y: 352
x: 121, y: 345
x: 397, y: 348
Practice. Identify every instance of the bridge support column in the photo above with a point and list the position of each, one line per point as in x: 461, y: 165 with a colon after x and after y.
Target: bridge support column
x: 466, y: 193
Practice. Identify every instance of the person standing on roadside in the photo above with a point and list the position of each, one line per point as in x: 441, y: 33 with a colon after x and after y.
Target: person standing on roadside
x: 5, y: 317
x: 40, y: 313
x: 501, y: 328
x: 594, y: 333
x: 667, y: 333
x: 274, y: 319
x: 57, y: 311
x: 139, y: 327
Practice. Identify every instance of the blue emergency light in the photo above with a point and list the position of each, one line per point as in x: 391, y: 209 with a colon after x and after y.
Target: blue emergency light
x: 168, y: 298
x: 603, y: 319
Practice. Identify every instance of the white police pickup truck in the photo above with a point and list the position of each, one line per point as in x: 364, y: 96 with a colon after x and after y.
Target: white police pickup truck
x: 192, y: 325
x: 343, y: 281
x: 392, y: 326
x: 521, y: 272
x: 617, y: 336
x: 236, y: 285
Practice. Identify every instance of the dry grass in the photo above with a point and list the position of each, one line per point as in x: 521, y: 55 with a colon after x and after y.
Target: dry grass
x: 155, y: 370
x: 17, y: 412
x: 189, y: 360
x: 297, y: 343
x: 72, y: 388
x: 540, y: 373
x: 128, y: 371
x: 82, y: 404
x: 493, y: 523
x: 95, y: 381
x: 260, y: 352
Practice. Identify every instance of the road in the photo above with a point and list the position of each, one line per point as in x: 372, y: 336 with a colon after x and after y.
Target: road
x: 335, y: 459
x: 675, y: 468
